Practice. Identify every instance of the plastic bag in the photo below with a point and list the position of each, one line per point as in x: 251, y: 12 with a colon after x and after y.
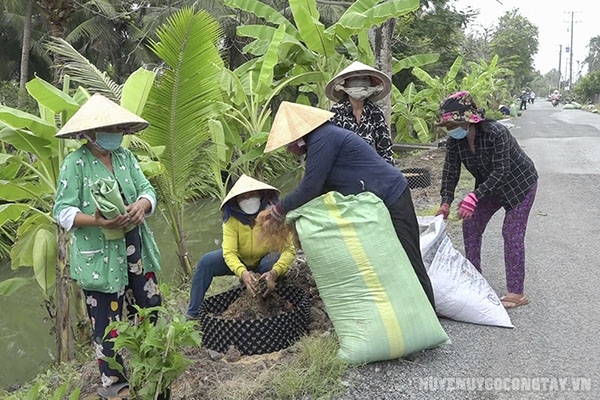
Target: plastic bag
x: 461, y: 292
x: 371, y: 293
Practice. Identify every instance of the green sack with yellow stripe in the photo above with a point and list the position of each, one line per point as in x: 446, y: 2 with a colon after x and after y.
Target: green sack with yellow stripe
x: 370, y: 290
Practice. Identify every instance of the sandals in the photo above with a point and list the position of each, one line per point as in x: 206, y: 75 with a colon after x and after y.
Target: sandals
x: 514, y: 300
x: 114, y: 391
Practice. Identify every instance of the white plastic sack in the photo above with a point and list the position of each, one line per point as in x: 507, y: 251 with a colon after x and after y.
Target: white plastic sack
x: 461, y: 292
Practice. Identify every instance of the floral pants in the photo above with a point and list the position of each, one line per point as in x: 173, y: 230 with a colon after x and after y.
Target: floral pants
x: 513, y: 232
x: 104, y: 308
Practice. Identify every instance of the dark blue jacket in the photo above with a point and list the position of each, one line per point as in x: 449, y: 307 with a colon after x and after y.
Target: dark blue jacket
x: 339, y: 160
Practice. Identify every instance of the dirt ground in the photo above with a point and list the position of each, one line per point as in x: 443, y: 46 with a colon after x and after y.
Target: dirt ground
x: 210, y: 371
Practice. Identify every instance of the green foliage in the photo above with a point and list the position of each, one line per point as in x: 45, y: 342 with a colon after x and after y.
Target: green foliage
x: 516, y: 42
x: 59, y: 382
x: 180, y: 105
x: 9, y: 96
x: 488, y: 83
x: 307, y: 46
x: 82, y: 71
x: 294, y: 59
x: 414, y: 111
x: 588, y: 87
x: 155, y: 348
x: 28, y: 190
x: 593, y: 57
x: 436, y: 28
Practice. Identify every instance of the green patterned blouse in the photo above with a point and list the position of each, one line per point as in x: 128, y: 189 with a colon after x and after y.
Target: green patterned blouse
x: 97, y: 263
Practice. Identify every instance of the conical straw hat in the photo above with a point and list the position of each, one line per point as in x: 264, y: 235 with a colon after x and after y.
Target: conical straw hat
x: 99, y: 112
x: 293, y: 121
x: 246, y: 184
x: 353, y: 70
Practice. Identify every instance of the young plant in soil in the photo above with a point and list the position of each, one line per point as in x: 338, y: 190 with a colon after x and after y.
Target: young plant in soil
x: 155, y: 347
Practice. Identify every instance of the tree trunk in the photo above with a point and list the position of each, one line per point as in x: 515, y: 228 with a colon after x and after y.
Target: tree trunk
x: 84, y: 327
x: 182, y: 250
x: 381, y: 42
x: 57, y: 13
x: 26, y: 45
x: 64, y: 337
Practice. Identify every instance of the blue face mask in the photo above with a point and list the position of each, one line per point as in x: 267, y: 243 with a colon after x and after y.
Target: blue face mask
x: 458, y: 133
x: 109, y: 141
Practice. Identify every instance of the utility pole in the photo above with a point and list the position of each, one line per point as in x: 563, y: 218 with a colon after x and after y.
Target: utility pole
x: 570, y: 51
x: 571, y: 57
x: 559, y: 66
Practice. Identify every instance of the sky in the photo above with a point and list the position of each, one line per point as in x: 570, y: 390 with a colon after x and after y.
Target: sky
x: 553, y: 19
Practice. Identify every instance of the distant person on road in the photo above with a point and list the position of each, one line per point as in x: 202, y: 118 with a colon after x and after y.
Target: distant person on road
x: 356, y: 88
x: 504, y: 110
x: 524, y: 98
x: 532, y: 97
x: 505, y: 177
x: 555, y: 98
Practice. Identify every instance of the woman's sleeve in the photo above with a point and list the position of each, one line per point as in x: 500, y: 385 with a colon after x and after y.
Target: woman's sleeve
x: 451, y: 172
x: 382, y: 136
x: 68, y: 193
x: 320, y: 157
x: 230, y: 247
x: 286, y: 258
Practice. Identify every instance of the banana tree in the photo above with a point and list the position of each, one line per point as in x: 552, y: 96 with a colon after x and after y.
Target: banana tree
x: 488, y: 83
x: 291, y: 60
x: 415, y: 110
x: 240, y: 135
x: 38, y: 156
x: 307, y: 45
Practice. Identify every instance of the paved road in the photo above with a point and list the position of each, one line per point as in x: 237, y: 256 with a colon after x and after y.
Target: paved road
x: 552, y: 353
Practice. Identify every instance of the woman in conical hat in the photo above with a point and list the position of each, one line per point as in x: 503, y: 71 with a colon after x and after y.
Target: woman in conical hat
x: 355, y: 90
x: 338, y: 159
x: 108, y: 255
x: 505, y: 177
x: 243, y: 251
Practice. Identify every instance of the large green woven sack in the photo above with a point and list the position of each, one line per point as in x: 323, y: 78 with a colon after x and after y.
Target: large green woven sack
x: 371, y: 293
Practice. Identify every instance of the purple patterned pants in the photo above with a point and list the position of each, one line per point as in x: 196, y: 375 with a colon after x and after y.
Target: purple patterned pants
x: 513, y: 231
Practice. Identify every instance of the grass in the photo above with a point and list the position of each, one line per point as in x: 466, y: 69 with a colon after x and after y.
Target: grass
x: 56, y: 383
x: 315, y: 372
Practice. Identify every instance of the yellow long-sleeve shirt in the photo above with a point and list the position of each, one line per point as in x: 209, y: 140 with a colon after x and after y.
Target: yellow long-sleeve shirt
x: 242, y: 247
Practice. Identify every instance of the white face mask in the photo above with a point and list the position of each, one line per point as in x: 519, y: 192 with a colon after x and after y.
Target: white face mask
x: 250, y: 205
x: 362, y: 93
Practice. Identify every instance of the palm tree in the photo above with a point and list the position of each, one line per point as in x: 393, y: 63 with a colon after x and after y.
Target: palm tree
x: 179, y: 108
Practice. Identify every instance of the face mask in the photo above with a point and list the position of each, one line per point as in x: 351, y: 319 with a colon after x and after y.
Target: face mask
x: 109, y: 141
x: 250, y: 205
x: 458, y: 133
x: 361, y: 92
